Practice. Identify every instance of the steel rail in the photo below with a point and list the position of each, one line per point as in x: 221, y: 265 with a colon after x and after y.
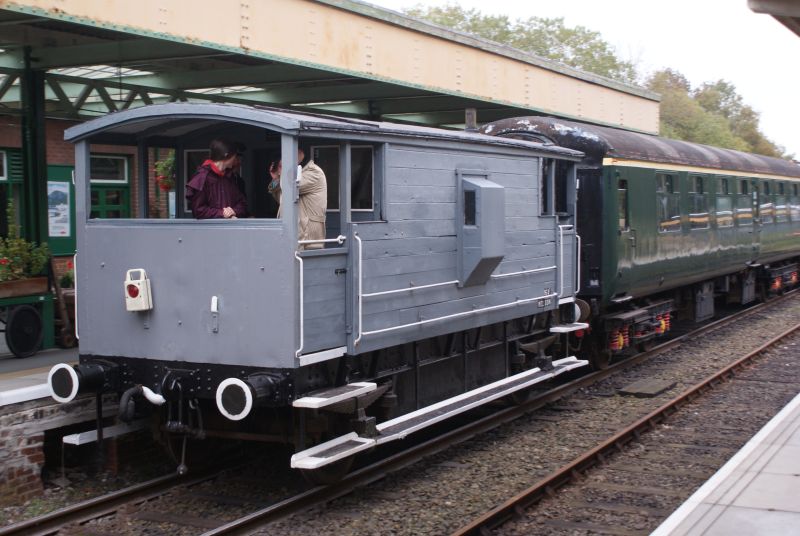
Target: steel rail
x: 378, y: 470
x: 573, y: 470
x: 100, y: 506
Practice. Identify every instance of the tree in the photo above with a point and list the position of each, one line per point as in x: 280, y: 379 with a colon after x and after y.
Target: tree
x: 548, y: 38
x: 713, y: 114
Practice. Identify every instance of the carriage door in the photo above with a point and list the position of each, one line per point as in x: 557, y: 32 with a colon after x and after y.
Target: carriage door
x: 626, y: 243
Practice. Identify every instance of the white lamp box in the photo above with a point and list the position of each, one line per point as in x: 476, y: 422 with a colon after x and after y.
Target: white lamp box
x: 137, y: 291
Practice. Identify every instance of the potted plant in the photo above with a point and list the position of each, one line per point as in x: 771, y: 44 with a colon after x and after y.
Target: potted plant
x: 165, y: 173
x: 23, y: 264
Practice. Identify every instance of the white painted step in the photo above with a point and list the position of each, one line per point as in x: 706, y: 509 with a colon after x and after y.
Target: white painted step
x: 326, y: 397
x: 567, y: 328
x: 350, y: 444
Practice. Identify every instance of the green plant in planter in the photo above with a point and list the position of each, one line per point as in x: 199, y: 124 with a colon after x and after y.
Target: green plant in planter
x: 20, y: 259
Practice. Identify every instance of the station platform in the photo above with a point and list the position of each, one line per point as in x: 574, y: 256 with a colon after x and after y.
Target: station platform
x: 22, y: 380
x: 756, y: 493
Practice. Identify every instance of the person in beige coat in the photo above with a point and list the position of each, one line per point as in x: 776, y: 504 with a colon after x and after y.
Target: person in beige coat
x: 313, y: 203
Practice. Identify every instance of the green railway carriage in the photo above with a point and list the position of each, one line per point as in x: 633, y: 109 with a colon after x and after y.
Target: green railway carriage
x: 667, y: 226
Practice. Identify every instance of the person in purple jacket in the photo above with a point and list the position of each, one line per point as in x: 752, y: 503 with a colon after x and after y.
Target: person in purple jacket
x: 212, y: 192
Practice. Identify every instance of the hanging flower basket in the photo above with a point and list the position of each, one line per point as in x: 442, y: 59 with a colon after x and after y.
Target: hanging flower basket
x: 165, y: 183
x: 165, y: 173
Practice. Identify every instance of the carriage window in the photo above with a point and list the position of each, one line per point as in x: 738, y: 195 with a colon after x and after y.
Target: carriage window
x: 794, y: 204
x: 3, y: 166
x: 766, y: 209
x: 622, y: 204
x: 668, y: 209
x: 744, y: 205
x: 362, y: 165
x: 781, y: 189
x: 724, y: 204
x: 781, y: 209
x: 698, y: 203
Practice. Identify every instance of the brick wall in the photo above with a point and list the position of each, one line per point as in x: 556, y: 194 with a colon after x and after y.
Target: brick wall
x: 22, y: 428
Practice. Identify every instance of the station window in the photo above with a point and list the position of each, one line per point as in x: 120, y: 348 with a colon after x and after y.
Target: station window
x: 110, y: 188
x: 622, y: 205
x: 362, y: 175
x: 724, y: 208
x: 744, y: 204
x: 668, y: 209
x: 698, y: 203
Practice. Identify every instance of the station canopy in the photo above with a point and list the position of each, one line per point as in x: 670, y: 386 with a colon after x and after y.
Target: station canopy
x: 341, y: 57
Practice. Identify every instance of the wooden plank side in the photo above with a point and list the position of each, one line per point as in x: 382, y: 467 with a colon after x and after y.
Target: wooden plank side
x: 324, y: 333
x: 416, y: 177
x: 422, y: 193
x: 422, y: 158
x: 409, y: 264
x: 406, y: 229
x: 420, y: 211
x: 398, y: 247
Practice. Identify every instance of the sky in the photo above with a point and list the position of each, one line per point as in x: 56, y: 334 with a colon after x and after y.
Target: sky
x: 705, y: 40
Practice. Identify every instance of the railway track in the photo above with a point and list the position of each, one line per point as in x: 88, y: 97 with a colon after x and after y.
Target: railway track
x: 699, y: 445
x: 81, y: 514
x: 378, y: 470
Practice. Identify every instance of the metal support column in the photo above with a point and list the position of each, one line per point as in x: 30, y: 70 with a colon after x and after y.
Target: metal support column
x: 34, y: 191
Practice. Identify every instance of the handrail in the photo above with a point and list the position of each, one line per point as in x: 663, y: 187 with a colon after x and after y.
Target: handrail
x: 339, y: 240
x: 75, y: 285
x: 462, y: 313
x: 359, y: 295
x: 533, y: 271
x: 561, y: 229
x: 578, y: 265
x: 420, y: 287
x: 299, y: 351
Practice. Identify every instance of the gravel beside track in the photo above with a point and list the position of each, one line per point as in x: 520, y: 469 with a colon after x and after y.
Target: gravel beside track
x: 444, y: 492
x: 636, y: 489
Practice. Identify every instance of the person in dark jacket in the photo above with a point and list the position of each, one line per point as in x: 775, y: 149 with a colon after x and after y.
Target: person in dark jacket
x: 212, y: 192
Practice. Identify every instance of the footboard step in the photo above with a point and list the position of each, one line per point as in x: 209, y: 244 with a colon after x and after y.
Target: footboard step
x: 320, y: 399
x: 331, y: 451
x: 411, y: 422
x: 398, y: 428
x: 568, y: 328
x: 116, y: 430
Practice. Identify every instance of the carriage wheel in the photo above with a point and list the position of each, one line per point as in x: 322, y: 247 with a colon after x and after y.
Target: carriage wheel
x: 24, y: 330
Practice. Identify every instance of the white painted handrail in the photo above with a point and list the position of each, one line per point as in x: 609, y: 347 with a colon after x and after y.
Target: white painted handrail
x: 533, y: 271
x: 359, y: 295
x: 561, y: 229
x: 299, y: 351
x: 399, y: 290
x: 578, y: 265
x: 338, y: 240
